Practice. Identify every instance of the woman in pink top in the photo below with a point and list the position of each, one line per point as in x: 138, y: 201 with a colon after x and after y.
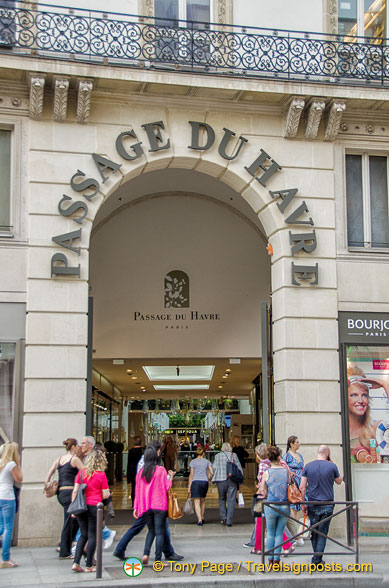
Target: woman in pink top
x: 151, y: 486
x: 96, y: 489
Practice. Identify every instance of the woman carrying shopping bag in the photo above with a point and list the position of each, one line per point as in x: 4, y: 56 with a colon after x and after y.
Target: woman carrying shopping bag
x: 151, y: 487
x: 200, y: 472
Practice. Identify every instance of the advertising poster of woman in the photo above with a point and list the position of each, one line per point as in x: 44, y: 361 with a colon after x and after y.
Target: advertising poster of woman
x: 368, y: 403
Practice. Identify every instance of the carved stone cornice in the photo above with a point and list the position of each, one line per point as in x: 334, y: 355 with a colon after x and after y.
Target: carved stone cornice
x: 334, y: 117
x: 292, y: 116
x: 37, y: 86
x: 85, y: 88
x: 313, y: 118
x: 61, y: 89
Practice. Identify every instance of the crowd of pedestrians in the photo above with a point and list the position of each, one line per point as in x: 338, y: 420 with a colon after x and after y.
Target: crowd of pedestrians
x: 82, y: 469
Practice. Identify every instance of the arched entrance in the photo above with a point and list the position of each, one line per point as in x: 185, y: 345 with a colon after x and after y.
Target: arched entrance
x: 178, y: 272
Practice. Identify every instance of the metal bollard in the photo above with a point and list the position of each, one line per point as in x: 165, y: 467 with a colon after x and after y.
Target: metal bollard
x: 99, y: 541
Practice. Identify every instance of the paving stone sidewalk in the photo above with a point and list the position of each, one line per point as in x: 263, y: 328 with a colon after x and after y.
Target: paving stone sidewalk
x: 40, y: 566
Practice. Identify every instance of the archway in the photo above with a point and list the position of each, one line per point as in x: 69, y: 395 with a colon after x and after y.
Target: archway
x: 162, y: 222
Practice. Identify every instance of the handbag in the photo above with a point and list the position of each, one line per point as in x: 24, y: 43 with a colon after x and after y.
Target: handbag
x: 294, y: 493
x: 240, y: 500
x: 78, y: 505
x: 173, y: 506
x: 50, y: 489
x: 188, y: 507
x: 233, y: 472
x: 256, y: 505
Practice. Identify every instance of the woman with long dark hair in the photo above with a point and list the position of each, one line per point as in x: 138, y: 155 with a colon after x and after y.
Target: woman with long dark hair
x: 151, y: 486
x: 295, y: 462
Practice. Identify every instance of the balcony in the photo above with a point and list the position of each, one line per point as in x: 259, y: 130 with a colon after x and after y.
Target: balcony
x: 131, y: 41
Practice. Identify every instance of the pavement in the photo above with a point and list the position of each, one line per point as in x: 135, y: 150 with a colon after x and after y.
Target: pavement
x: 40, y: 566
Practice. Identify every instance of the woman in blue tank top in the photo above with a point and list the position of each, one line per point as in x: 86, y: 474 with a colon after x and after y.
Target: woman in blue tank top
x: 274, y: 485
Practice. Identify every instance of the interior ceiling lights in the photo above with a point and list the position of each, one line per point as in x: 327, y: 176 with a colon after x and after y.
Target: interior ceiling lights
x: 182, y: 372
x: 181, y: 387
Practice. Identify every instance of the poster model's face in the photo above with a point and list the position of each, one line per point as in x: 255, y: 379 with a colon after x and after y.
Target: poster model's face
x: 368, y: 402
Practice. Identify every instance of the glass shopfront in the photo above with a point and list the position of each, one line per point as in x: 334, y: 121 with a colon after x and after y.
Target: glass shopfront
x: 7, y: 381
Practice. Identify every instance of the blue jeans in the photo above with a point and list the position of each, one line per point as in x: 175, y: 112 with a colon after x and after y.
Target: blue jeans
x: 136, y: 528
x: 7, y: 517
x: 316, y: 514
x: 275, y: 523
x: 156, y: 522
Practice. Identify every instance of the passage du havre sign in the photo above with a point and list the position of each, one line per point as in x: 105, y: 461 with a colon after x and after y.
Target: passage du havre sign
x: 202, y: 137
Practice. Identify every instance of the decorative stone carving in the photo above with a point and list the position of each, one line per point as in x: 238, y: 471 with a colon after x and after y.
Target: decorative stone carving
x: 37, y: 86
x: 16, y: 101
x: 292, y: 117
x: 331, y: 17
x: 335, y: 113
x: 146, y: 8
x: 61, y: 89
x: 370, y: 129
x: 314, y: 114
x: 85, y: 88
x: 223, y: 11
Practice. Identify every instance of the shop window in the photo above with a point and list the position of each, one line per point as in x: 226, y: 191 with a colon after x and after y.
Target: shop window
x: 7, y: 367
x: 5, y: 184
x: 367, y: 201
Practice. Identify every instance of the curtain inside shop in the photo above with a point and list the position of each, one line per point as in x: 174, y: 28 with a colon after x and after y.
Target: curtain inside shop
x: 7, y: 374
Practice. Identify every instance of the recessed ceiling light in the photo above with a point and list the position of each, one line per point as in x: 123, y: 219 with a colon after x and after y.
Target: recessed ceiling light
x: 220, y: 386
x: 129, y: 371
x: 133, y: 378
x: 180, y: 373
x: 225, y: 377
x: 181, y: 387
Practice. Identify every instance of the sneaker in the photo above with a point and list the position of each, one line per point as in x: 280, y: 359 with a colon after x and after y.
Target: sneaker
x: 247, y: 545
x: 300, y: 542
x: 119, y: 555
x: 108, y: 542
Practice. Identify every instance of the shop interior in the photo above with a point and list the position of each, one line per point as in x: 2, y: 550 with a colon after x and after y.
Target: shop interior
x: 199, y: 401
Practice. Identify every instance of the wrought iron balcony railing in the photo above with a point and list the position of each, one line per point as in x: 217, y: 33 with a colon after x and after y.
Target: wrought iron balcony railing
x: 54, y: 32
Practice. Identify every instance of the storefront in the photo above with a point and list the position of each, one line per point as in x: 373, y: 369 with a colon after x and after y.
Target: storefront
x: 364, y: 339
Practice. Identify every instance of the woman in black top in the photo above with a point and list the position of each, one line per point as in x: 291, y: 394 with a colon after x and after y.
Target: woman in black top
x: 68, y: 466
x: 134, y: 456
x: 239, y: 450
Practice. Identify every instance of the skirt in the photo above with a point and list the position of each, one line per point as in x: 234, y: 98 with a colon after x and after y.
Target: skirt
x: 198, y: 489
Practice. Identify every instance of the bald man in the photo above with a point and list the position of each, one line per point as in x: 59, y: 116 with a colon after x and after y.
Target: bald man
x: 318, y: 479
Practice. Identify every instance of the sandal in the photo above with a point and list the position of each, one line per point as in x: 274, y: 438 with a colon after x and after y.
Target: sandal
x: 77, y: 568
x: 145, y: 560
x: 66, y: 557
x: 256, y: 551
x: 91, y: 569
x: 8, y: 564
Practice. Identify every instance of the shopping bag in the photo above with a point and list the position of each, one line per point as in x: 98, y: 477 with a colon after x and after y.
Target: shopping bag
x: 240, y: 500
x: 188, y: 507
